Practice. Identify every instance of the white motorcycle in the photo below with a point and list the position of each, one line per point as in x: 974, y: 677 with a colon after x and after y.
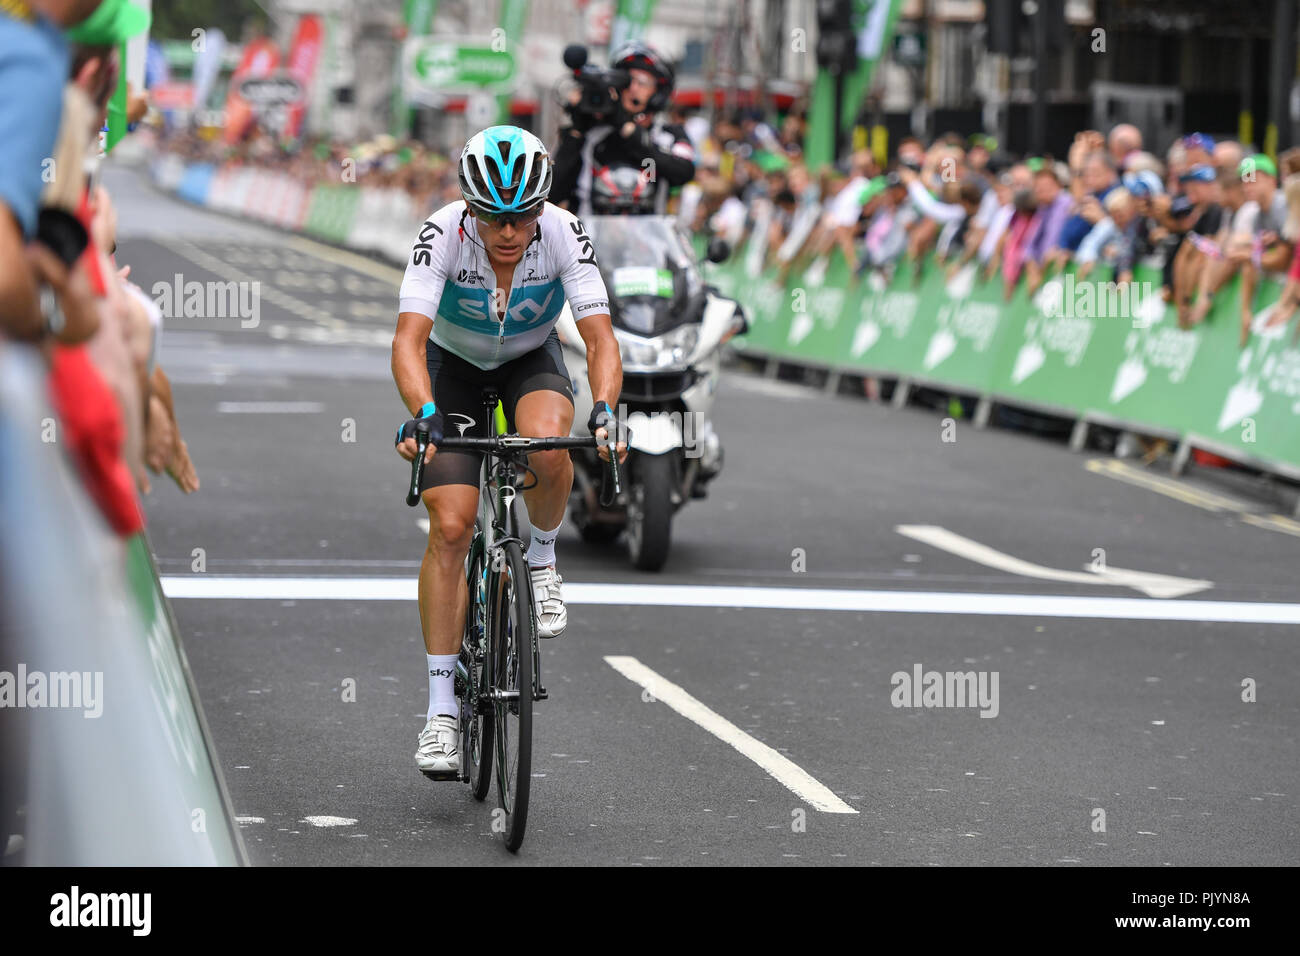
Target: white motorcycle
x: 670, y: 327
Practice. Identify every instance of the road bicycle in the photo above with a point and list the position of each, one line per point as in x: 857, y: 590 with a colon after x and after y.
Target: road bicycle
x: 499, y: 672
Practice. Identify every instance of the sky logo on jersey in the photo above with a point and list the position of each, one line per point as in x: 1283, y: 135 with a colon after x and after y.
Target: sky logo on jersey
x: 472, y: 309
x: 421, y: 254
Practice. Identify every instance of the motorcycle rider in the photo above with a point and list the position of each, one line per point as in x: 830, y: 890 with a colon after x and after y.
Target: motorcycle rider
x: 595, y: 161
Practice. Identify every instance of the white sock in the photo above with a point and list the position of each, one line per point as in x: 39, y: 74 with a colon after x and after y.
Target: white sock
x: 442, y: 685
x: 541, y: 549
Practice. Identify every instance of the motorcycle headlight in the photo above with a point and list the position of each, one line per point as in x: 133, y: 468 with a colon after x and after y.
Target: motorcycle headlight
x: 665, y: 351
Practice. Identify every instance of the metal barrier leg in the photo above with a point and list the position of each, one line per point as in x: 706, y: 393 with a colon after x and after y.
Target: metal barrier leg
x: 901, y: 390
x: 983, y: 409
x: 1079, y: 437
x: 1181, y: 457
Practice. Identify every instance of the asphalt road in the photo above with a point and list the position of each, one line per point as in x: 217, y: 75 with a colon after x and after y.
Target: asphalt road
x: 1121, y: 735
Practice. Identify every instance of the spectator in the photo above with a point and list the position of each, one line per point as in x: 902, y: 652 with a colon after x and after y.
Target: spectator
x: 1107, y: 240
x: 1285, y: 307
x: 1255, y: 246
x: 1096, y: 178
x: 1228, y: 155
x: 33, y: 70
x: 1124, y: 140
x: 1201, y: 215
x: 1052, y: 209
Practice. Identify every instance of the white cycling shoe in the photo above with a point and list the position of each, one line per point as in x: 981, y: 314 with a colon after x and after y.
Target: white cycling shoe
x: 552, y: 616
x: 439, y: 750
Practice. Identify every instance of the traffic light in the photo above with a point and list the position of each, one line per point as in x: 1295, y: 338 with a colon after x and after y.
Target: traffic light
x: 837, y: 43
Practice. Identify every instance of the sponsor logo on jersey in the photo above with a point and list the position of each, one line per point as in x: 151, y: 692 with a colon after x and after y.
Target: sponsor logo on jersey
x: 584, y: 242
x: 424, y: 246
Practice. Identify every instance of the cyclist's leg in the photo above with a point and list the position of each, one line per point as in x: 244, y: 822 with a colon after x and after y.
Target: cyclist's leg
x: 450, y: 494
x: 538, y: 401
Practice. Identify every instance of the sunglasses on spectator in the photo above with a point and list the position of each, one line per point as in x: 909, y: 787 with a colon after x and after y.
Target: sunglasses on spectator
x: 520, y: 220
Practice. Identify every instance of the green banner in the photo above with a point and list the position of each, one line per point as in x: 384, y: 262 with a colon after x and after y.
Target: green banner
x: 196, y: 775
x: 117, y: 105
x: 874, y: 21
x: 331, y: 211
x: 1077, y: 348
x: 514, y: 14
x: 630, y: 21
x: 418, y: 17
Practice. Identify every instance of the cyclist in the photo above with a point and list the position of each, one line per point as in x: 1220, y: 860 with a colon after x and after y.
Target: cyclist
x: 487, y: 279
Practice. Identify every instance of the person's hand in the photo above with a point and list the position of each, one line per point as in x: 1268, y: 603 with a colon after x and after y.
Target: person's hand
x: 1160, y: 204
x: 908, y: 176
x: 408, y: 446
x: 48, y: 268
x: 598, y: 424
x: 1091, y: 210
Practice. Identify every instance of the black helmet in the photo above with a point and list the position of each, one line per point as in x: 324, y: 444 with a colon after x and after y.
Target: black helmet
x: 636, y: 55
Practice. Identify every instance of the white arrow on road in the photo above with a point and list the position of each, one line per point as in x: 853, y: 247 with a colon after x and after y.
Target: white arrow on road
x: 1150, y: 584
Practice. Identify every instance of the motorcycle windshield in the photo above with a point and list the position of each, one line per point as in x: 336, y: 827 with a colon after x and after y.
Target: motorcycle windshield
x: 650, y: 272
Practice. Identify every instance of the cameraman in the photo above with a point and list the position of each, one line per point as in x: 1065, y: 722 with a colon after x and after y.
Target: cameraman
x: 597, y: 155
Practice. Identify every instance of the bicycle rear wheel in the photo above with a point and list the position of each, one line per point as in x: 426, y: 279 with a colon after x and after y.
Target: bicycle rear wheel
x: 477, y: 736
x: 512, y: 637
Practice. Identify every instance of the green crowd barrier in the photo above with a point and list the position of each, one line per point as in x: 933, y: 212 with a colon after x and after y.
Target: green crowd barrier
x: 331, y: 211
x: 1082, y: 348
x: 195, y: 775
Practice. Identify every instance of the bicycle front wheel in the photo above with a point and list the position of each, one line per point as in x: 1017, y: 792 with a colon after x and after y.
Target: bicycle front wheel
x: 513, y: 637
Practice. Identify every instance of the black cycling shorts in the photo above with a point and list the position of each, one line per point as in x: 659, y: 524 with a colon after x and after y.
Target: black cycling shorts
x: 458, y: 393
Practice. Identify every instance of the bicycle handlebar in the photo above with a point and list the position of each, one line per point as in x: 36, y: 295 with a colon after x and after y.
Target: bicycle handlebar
x: 511, y: 445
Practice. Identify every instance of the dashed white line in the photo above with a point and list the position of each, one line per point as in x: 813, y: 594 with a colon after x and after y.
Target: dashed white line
x: 270, y: 408
x: 782, y: 769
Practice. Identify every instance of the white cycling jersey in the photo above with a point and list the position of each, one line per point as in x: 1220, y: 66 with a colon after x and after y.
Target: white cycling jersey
x: 450, y: 279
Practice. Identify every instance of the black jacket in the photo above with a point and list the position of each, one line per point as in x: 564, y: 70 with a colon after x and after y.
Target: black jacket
x: 581, y: 152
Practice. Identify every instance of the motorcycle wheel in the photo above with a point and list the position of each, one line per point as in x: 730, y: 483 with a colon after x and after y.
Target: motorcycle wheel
x: 650, y: 511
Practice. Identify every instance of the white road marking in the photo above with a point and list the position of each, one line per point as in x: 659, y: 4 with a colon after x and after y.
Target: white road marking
x: 270, y: 408
x: 329, y: 821
x: 1153, y: 585
x: 212, y: 587
x: 781, y: 768
x: 246, y: 821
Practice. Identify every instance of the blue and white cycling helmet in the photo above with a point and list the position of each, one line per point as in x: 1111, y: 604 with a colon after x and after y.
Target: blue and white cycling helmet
x: 504, y: 169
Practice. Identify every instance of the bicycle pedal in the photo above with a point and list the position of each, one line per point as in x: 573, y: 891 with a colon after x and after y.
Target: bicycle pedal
x: 442, y: 774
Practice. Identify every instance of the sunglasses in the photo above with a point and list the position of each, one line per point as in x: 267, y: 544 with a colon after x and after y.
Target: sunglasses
x: 520, y: 220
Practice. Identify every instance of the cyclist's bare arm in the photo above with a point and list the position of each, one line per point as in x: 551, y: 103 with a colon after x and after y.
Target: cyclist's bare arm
x: 604, y: 367
x: 411, y: 373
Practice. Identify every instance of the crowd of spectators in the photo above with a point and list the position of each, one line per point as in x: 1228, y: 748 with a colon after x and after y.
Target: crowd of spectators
x: 1203, y: 213
x: 62, y: 291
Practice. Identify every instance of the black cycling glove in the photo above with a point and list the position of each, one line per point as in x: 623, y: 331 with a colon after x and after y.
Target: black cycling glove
x: 428, y: 413
x: 601, y: 415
